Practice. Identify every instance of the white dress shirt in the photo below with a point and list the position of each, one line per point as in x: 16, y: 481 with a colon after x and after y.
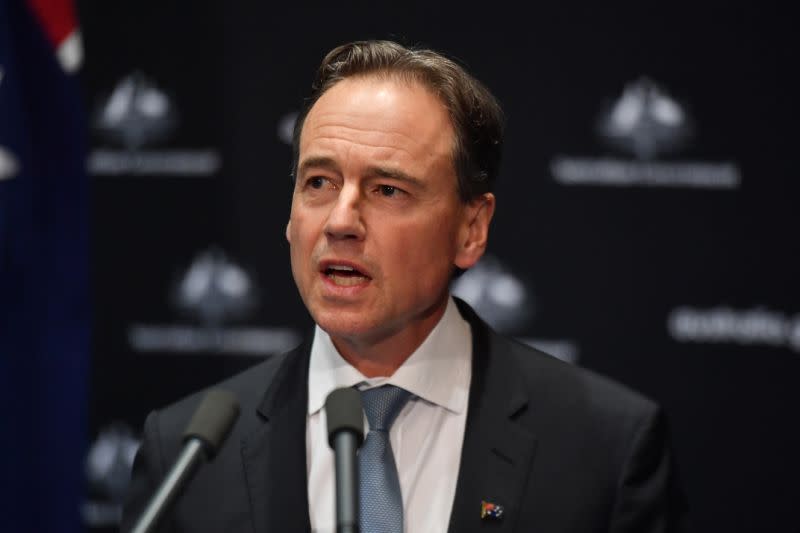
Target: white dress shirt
x: 426, y: 437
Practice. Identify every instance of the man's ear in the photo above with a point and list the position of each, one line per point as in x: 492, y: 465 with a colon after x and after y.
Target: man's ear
x: 473, y: 235
x: 289, y: 231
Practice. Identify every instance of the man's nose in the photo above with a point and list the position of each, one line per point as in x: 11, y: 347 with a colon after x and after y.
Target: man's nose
x: 345, y: 219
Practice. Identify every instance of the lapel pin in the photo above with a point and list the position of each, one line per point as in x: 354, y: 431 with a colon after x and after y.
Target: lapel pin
x: 491, y: 511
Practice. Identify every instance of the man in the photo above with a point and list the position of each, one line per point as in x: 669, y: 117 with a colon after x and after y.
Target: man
x: 395, y: 155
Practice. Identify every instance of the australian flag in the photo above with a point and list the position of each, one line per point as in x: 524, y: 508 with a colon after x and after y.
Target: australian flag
x: 491, y: 511
x: 44, y: 296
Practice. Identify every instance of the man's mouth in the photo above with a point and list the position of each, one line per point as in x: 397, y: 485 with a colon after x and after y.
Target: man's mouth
x: 345, y: 276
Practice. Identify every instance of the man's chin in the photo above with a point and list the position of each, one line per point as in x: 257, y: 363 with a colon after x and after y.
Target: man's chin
x: 353, y: 326
x: 341, y: 325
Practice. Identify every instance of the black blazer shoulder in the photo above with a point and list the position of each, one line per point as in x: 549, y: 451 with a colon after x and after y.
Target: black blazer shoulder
x: 563, y: 447
x: 231, y: 493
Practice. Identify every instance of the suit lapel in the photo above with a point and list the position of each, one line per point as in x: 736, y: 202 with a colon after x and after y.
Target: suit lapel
x: 274, y: 456
x: 498, y: 452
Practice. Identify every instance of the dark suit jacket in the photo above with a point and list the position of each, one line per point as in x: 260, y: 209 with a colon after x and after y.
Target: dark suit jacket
x: 562, y: 449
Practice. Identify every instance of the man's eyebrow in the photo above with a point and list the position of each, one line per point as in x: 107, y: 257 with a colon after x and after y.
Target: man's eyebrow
x: 396, y: 174
x: 381, y: 172
x: 319, y: 162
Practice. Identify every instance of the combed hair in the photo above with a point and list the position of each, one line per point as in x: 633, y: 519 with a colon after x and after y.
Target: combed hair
x: 476, y: 116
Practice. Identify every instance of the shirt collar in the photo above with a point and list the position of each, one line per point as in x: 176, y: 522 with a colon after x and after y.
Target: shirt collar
x: 438, y: 371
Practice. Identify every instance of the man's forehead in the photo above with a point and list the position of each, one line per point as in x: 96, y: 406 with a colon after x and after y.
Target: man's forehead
x: 380, y: 111
x: 386, y: 90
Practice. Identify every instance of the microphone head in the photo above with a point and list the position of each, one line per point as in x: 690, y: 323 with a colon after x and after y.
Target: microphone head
x: 213, y: 420
x: 345, y: 413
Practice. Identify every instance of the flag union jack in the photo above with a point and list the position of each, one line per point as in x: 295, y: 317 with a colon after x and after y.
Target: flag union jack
x: 60, y: 25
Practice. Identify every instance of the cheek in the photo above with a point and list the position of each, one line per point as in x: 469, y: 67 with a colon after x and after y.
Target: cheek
x: 301, y: 228
x: 422, y: 254
x: 301, y: 243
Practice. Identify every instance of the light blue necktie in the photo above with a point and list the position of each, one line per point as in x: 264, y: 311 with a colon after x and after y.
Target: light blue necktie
x: 380, y: 497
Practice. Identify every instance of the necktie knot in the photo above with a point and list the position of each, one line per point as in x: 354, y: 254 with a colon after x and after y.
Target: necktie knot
x: 382, y: 405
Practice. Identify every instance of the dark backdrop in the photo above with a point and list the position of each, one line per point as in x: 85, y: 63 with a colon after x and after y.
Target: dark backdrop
x: 646, y: 223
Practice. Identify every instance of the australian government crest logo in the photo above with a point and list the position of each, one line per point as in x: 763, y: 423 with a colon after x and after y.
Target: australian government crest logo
x: 505, y: 301
x: 109, y: 462
x: 131, y: 122
x: 649, y: 129
x: 215, y: 301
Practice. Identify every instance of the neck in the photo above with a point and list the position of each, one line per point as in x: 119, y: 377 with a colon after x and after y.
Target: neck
x: 382, y: 357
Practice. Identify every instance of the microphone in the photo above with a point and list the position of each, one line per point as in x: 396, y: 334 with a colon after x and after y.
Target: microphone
x: 202, y: 439
x: 345, y: 434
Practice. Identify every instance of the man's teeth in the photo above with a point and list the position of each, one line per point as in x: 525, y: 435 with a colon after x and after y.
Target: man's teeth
x: 347, y: 281
x: 345, y: 276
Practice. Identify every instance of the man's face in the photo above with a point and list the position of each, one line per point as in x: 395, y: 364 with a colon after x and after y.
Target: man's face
x: 376, y: 223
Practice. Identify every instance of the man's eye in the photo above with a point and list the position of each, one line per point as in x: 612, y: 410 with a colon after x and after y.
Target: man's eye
x: 388, y: 190
x: 316, y: 182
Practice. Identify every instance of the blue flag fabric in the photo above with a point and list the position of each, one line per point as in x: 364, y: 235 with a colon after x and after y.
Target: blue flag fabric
x: 44, y: 282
